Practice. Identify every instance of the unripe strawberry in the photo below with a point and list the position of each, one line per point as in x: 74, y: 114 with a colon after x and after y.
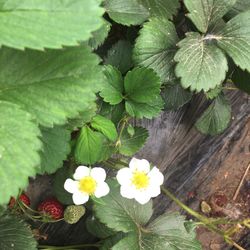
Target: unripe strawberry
x: 52, y: 208
x: 73, y: 213
x: 23, y: 198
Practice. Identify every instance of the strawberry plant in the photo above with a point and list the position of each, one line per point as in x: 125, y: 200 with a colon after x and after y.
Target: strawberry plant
x: 75, y: 75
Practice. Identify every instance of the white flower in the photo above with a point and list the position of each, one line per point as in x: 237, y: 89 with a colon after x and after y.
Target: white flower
x: 87, y: 182
x: 139, y: 182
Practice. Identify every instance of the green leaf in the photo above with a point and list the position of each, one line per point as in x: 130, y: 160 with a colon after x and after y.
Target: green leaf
x: 105, y: 126
x: 58, y: 185
x: 147, y: 110
x: 113, y: 87
x: 131, y: 130
x: 108, y: 148
x: 168, y: 224
x: 15, y: 234
x: 140, y: 240
x: 166, y: 232
x: 240, y: 6
x: 89, y: 145
x: 99, y: 36
x: 114, y: 113
x: 216, y: 118
x: 119, y: 213
x: 130, y: 242
x: 128, y: 12
x: 117, y: 112
x: 98, y: 229
x: 142, y: 85
x: 56, y: 147
x: 156, y: 46
x: 42, y: 24
x: 175, y: 96
x: 52, y: 85
x: 213, y: 93
x: 111, y: 241
x: 172, y: 228
x: 3, y: 210
x: 235, y: 39
x: 161, y: 8
x: 142, y: 101
x: 120, y: 56
x: 82, y: 118
x: 134, y: 12
x: 206, y: 13
x: 132, y: 144
x: 241, y: 80
x: 19, y: 144
x: 198, y: 63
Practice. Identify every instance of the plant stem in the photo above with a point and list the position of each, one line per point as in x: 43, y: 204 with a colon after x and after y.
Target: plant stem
x: 118, y: 161
x: 29, y: 208
x: 68, y: 247
x: 110, y: 165
x: 200, y: 217
x: 230, y: 88
x: 206, y: 221
x: 124, y: 121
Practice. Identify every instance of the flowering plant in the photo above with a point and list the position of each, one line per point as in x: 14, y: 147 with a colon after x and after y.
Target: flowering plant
x: 139, y: 182
x: 75, y: 78
x: 87, y: 182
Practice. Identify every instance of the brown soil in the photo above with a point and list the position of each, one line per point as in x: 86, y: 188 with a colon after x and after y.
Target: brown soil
x: 226, y: 182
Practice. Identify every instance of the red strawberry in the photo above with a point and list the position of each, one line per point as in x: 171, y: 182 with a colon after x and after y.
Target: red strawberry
x: 51, y: 207
x: 23, y: 198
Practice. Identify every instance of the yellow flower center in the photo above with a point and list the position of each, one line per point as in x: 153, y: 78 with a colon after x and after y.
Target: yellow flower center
x: 87, y: 185
x: 140, y: 179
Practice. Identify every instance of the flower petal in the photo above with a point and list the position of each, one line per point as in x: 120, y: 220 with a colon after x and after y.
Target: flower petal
x: 80, y: 198
x: 71, y: 186
x: 124, y: 176
x: 139, y: 165
x: 99, y: 174
x: 81, y: 172
x: 127, y: 192
x: 142, y: 197
x: 156, y: 177
x: 154, y: 190
x: 102, y: 189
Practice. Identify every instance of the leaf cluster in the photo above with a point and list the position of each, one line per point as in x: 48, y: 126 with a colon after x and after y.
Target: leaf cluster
x: 124, y: 224
x: 69, y: 89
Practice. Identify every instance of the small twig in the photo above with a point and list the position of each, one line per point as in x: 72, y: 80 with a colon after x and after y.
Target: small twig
x: 238, y: 246
x: 241, y: 183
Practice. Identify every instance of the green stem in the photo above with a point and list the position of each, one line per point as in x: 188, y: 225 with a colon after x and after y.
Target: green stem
x: 200, y: 217
x: 29, y: 208
x: 118, y: 161
x: 227, y: 222
x: 110, y: 165
x: 68, y: 247
x: 25, y: 212
x: 206, y: 221
x: 124, y: 121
